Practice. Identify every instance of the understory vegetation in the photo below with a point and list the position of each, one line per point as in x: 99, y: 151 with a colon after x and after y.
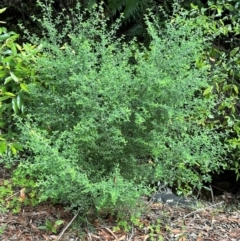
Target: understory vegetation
x: 91, y: 120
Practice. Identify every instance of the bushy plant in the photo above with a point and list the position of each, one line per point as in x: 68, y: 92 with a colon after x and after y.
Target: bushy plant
x: 108, y: 116
x: 15, y: 75
x: 221, y: 23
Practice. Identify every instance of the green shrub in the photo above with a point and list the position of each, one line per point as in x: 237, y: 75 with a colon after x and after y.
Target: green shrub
x: 15, y: 75
x: 221, y: 22
x: 109, y: 117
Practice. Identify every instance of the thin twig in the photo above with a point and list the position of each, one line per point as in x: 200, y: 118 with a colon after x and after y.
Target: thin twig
x: 110, y: 231
x: 131, y: 235
x: 89, y: 236
x: 61, y: 234
x: 95, y: 236
x: 202, y: 209
x: 14, y: 194
x: 212, y: 195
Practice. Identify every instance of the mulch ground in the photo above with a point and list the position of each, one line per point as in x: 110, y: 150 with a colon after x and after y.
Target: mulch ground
x: 160, y: 222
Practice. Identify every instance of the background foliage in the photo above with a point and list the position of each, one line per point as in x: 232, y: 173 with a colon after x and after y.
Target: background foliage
x: 221, y: 22
x: 15, y: 75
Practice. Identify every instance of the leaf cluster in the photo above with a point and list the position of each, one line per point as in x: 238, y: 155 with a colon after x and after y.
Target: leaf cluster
x: 15, y: 76
x: 221, y: 23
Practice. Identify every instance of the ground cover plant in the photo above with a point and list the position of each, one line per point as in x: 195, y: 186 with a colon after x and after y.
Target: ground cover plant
x: 105, y: 118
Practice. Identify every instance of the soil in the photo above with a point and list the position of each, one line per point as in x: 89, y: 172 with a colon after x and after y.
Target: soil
x: 208, y: 222
x: 218, y: 220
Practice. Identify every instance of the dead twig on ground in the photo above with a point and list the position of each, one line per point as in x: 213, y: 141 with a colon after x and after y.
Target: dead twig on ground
x: 202, y: 209
x: 132, y: 233
x: 63, y: 231
x: 110, y: 231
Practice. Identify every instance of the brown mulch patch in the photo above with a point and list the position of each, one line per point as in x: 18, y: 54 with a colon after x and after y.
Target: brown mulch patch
x: 160, y: 222
x: 210, y: 222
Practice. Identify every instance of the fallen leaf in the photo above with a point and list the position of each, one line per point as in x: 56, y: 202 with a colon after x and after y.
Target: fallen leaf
x: 22, y: 195
x: 45, y: 237
x: 176, y: 231
x: 182, y: 239
x: 234, y: 235
x: 34, y: 227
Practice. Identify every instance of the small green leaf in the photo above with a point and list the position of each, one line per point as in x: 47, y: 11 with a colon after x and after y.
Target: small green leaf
x: 206, y: 188
x: 4, y: 36
x: 217, y: 87
x: 22, y: 108
x: 234, y: 51
x: 207, y: 91
x: 2, y: 123
x: 2, y: 10
x: 17, y: 146
x: 219, y: 11
x: 3, y: 147
x: 59, y: 222
x: 13, y: 149
x: 229, y: 7
x: 48, y: 223
x: 14, y: 49
x: 24, y: 87
x: 7, y: 52
x: 9, y: 94
x: 8, y: 79
x: 2, y: 29
x: 195, y: 7
x: 8, y: 60
x: 3, y: 73
x: 42, y: 227
x: 226, y: 87
x: 19, y: 101
x: 14, y: 105
x: 15, y: 78
x: 19, y: 47
x: 235, y: 89
x: 4, y: 98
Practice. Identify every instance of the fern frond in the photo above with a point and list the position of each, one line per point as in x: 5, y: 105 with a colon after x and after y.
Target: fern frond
x: 131, y: 7
x: 116, y: 6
